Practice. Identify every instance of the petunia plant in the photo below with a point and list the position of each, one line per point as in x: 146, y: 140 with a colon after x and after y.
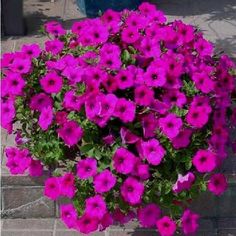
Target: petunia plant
x: 129, y: 114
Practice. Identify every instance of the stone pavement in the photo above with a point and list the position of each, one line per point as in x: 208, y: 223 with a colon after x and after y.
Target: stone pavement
x: 217, y: 20
x: 54, y: 227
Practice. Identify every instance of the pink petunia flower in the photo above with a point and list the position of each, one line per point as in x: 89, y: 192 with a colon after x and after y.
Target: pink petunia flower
x: 68, y: 215
x: 217, y: 184
x: 52, y: 188
x: 166, y: 226
x: 204, y: 161
x: 45, y: 118
x: 184, y: 182
x: 87, y: 168
x: 39, y: 101
x: 104, y: 181
x: 183, y: 139
x: 125, y: 110
x: 143, y: 95
x: 7, y: 114
x: 67, y: 183
x: 21, y: 65
x: 189, y: 222
x: 95, y: 207
x: 87, y: 224
x: 155, y: 76
x: 127, y: 136
x: 14, y: 84
x: 70, y: 132
x: 123, y: 161
x: 170, y: 125
x: 51, y: 82
x: 35, y: 168
x: 148, y: 215
x: 54, y: 46
x: 132, y: 190
x: 153, y: 151
x: 31, y: 50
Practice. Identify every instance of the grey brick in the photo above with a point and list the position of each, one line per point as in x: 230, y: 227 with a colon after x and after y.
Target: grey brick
x: 226, y: 223
x: 27, y: 233
x: 26, y: 202
x: 74, y: 233
x: 13, y: 180
x: 229, y: 232
x: 28, y: 224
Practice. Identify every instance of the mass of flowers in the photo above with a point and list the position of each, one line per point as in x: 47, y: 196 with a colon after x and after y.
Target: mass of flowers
x: 129, y: 114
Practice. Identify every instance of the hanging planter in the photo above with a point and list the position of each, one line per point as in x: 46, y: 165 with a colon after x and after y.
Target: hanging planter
x: 131, y: 115
x: 93, y: 8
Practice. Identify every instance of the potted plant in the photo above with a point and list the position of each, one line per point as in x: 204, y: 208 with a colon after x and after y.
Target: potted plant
x: 92, y: 8
x: 130, y: 114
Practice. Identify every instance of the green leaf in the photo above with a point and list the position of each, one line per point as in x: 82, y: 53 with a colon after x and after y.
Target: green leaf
x: 85, y: 149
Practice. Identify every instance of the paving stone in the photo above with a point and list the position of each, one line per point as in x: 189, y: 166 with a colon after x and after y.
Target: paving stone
x: 226, y: 223
x: 74, y: 233
x: 205, y: 205
x: 133, y: 233
x: 26, y: 233
x: 28, y: 224
x: 71, y: 11
x: 230, y: 232
x: 16, y: 180
x: 26, y: 202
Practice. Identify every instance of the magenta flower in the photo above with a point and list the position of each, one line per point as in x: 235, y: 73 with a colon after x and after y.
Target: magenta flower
x: 73, y: 74
x: 51, y: 82
x: 203, y: 82
x: 31, y: 50
x: 125, y: 110
x: 95, y: 207
x: 166, y: 226
x: 18, y: 160
x: 72, y: 102
x: 174, y: 97
x: 21, y: 65
x: 54, y: 28
x: 35, y: 168
x: 141, y: 170
x: 143, y: 95
x: 125, y: 79
x: 104, y: 181
x: 109, y: 139
x: 52, y: 188
x: 68, y: 215
x: 7, y: 114
x: 183, y: 139
x: 70, y: 132
x: 204, y: 161
x: 155, y: 76
x: 14, y: 84
x: 106, y: 221
x: 130, y: 35
x: 189, y: 222
x: 54, y: 46
x: 39, y: 101
x: 217, y: 184
x: 150, y: 125
x: 123, y: 161
x: 87, y: 224
x: 132, y: 191
x: 87, y: 168
x: 184, y: 182
x: 148, y: 215
x: 127, y: 136
x: 170, y: 125
x: 197, y: 117
x: 45, y: 118
x: 153, y: 151
x: 67, y: 183
x: 61, y: 117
